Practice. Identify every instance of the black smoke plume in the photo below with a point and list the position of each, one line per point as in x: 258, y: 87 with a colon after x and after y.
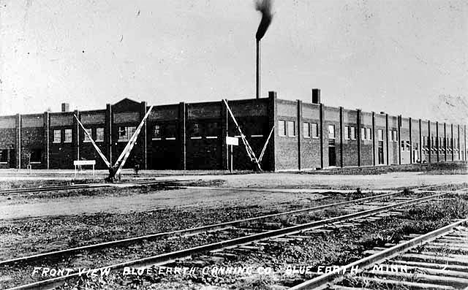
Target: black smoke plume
x: 264, y: 6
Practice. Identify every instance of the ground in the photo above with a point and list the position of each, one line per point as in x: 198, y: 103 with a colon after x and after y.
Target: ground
x: 44, y: 221
x: 233, y: 191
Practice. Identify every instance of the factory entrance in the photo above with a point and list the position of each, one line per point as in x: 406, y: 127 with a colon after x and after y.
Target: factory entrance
x: 380, y: 152
x: 415, y: 153
x: 331, y: 153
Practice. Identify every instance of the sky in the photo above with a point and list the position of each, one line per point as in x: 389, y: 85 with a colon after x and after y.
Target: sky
x: 395, y: 56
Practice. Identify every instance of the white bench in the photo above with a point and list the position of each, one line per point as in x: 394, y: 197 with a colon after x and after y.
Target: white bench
x: 83, y: 163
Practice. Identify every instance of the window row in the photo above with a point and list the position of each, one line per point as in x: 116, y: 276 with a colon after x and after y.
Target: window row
x: 366, y: 133
x: 310, y: 130
x: 287, y: 128
x: 405, y: 145
x: 126, y: 132
x: 209, y: 129
x: 442, y: 142
x: 68, y: 135
x: 168, y: 131
x: 350, y: 133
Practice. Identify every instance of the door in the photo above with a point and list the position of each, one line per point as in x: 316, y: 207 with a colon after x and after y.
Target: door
x: 331, y: 156
x: 380, y: 152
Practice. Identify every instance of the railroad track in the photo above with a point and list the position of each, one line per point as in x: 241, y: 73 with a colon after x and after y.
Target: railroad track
x: 52, y: 188
x: 136, y: 183
x: 235, y: 234
x: 436, y: 260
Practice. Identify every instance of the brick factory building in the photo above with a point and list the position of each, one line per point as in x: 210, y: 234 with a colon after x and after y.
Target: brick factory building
x: 192, y: 136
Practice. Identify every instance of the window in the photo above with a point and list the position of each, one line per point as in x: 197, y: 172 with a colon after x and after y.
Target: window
x: 402, y: 145
x: 86, y: 138
x: 3, y: 155
x: 99, y: 134
x: 68, y: 136
x: 171, y: 131
x: 380, y: 135
x: 212, y: 129
x: 353, y: 133
x: 331, y: 131
x: 36, y: 155
x: 306, y: 129
x: 125, y: 133
x: 157, y: 131
x: 394, y: 135
x: 282, y: 128
x: 408, y: 145
x: 57, y: 136
x: 346, y: 130
x: 368, y: 133
x: 315, y: 133
x: 196, y: 130
x: 363, y: 133
x: 291, y: 128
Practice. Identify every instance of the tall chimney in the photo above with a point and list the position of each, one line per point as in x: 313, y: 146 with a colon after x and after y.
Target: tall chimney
x: 316, y: 96
x: 258, y: 70
x: 65, y: 107
x: 264, y: 6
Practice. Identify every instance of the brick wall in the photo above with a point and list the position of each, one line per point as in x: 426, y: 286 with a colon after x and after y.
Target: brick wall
x: 350, y: 144
x: 433, y: 133
x: 207, y: 149
x: 405, y: 155
x: 367, y: 144
x: 287, y: 144
x: 331, y: 116
x: 425, y: 141
x: 310, y: 147
x: 254, y: 122
x: 393, y: 142
x: 380, y: 124
x: 7, y: 140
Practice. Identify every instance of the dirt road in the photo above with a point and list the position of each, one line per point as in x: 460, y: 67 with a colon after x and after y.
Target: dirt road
x: 20, y: 207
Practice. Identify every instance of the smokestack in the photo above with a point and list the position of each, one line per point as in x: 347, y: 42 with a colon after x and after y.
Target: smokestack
x: 257, y: 87
x: 65, y: 107
x: 264, y: 6
x: 316, y: 96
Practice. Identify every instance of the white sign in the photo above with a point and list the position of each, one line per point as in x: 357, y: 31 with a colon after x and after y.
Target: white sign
x: 232, y: 141
x: 84, y: 162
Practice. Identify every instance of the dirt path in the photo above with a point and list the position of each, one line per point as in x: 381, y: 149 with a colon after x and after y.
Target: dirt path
x: 23, y: 208
x: 292, y: 180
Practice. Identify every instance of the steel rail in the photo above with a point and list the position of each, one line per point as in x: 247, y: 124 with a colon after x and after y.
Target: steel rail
x: 54, y: 188
x: 87, y: 186
x: 186, y: 231
x: 322, y: 282
x: 168, y: 257
x: 136, y: 183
